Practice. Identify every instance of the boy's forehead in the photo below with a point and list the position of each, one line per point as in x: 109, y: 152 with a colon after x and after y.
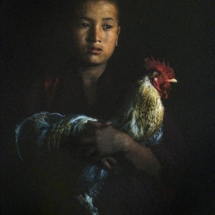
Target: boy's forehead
x: 104, y: 9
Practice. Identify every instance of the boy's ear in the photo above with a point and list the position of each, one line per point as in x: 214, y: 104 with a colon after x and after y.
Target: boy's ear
x: 59, y: 31
x: 63, y: 34
x: 118, y: 32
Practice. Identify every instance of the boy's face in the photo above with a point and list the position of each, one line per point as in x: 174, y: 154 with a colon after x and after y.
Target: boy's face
x: 95, y: 32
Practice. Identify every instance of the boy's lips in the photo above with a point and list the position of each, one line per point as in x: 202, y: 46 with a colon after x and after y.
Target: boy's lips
x: 94, y: 50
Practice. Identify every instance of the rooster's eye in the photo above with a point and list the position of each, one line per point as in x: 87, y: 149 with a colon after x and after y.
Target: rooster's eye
x: 161, y: 76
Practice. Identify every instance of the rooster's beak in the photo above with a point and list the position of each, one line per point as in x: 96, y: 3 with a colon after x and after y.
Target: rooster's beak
x: 173, y: 80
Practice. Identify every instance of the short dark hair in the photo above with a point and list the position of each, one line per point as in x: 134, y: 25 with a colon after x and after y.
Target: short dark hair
x: 65, y: 9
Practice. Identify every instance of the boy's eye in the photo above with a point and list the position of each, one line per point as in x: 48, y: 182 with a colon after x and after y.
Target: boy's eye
x: 106, y: 27
x: 84, y: 25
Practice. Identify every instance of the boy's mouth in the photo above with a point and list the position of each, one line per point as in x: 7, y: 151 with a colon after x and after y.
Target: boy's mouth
x: 94, y: 50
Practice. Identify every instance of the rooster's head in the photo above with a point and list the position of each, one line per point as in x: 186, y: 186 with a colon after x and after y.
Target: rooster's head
x: 160, y: 75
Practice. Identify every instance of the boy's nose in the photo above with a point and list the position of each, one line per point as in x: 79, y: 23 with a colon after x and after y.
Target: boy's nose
x: 95, y: 35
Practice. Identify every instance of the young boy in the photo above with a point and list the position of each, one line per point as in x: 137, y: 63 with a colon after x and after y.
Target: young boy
x: 91, y: 88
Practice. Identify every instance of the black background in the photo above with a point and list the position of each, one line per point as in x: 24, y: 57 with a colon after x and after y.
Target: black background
x: 182, y: 32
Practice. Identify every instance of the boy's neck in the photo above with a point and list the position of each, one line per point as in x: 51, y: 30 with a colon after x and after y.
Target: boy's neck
x: 91, y: 74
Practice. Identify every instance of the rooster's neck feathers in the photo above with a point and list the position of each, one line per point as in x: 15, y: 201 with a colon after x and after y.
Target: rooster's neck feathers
x: 143, y: 115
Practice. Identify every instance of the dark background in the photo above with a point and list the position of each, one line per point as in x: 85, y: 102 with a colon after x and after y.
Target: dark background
x: 182, y: 32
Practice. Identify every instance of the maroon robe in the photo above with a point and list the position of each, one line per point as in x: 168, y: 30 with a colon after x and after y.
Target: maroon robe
x: 125, y: 194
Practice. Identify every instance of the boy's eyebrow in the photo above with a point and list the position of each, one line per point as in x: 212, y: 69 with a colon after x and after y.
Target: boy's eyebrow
x: 89, y: 19
x: 109, y: 19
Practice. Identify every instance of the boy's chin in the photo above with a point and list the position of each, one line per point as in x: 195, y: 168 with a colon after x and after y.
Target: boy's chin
x: 93, y: 63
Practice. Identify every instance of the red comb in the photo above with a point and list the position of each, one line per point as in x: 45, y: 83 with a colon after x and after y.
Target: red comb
x: 152, y: 64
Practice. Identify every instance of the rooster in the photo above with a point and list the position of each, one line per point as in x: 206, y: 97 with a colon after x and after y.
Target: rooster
x: 141, y: 118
